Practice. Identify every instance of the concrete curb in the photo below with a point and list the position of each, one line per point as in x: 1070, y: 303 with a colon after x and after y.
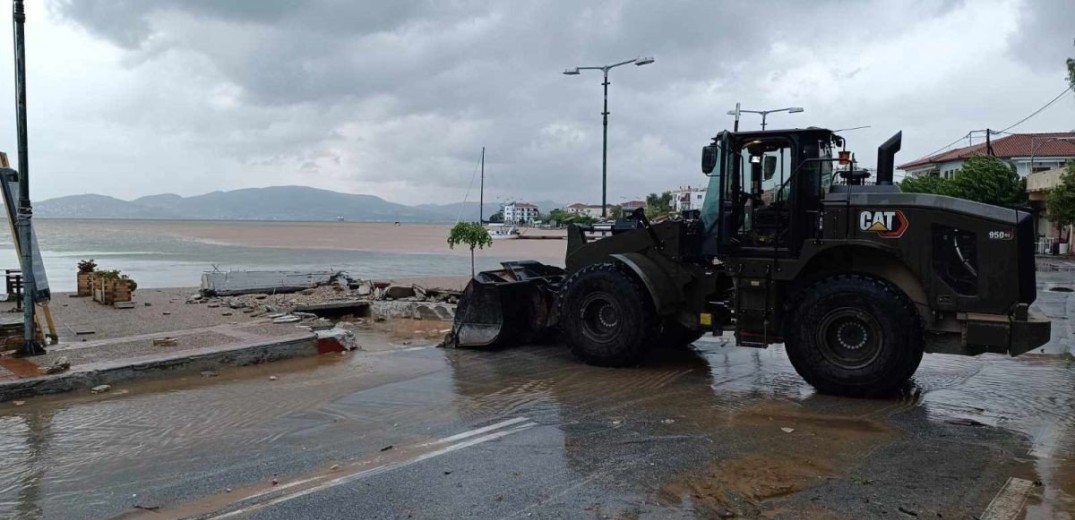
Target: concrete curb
x: 93, y: 374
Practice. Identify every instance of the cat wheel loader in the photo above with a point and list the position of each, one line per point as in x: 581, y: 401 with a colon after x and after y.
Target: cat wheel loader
x: 792, y: 245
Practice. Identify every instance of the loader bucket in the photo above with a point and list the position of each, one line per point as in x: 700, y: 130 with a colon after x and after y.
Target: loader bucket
x: 513, y: 305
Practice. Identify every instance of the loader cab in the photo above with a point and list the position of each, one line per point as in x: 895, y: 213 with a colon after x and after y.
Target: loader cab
x: 765, y: 190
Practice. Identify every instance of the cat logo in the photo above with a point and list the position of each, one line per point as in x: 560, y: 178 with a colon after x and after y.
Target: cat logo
x: 887, y: 224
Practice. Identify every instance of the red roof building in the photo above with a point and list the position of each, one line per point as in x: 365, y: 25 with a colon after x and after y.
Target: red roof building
x: 1029, y: 152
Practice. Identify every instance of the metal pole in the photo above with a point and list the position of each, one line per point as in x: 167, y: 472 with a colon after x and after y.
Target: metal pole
x: 763, y: 114
x: 481, y: 192
x: 604, y: 154
x: 736, y: 128
x: 30, y: 346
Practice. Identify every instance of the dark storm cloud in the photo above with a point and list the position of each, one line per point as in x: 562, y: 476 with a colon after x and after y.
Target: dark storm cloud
x: 1046, y: 34
x: 407, y: 91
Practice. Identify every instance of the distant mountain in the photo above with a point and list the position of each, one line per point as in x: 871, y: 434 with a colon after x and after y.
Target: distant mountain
x: 94, y: 206
x: 273, y: 203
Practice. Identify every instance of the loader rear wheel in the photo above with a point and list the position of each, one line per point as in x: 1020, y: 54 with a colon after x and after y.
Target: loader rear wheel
x: 606, y: 317
x: 854, y: 335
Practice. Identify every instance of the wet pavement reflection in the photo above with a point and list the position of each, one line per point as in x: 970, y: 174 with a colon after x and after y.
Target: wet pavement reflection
x: 707, y: 432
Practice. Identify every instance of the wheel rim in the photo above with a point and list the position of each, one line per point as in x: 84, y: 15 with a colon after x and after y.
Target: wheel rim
x: 849, y: 338
x: 600, y: 317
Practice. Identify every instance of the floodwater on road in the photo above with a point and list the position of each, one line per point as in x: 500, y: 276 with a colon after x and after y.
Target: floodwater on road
x: 420, y: 432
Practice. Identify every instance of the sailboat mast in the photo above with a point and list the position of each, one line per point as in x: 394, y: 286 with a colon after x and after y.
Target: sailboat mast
x: 481, y: 192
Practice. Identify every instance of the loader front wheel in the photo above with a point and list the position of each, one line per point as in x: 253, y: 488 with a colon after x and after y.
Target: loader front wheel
x: 854, y: 335
x: 606, y: 317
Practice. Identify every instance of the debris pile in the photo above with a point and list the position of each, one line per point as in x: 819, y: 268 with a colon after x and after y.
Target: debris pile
x: 325, y: 297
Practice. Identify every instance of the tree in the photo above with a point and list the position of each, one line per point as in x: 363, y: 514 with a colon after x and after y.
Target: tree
x: 615, y: 211
x: 926, y: 184
x: 1071, y: 72
x: 472, y: 234
x: 556, y: 216
x: 983, y: 178
x: 497, y: 218
x: 990, y: 180
x: 1061, y: 201
x: 658, y: 205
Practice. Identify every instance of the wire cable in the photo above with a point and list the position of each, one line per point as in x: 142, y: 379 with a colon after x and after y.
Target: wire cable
x: 1038, y: 111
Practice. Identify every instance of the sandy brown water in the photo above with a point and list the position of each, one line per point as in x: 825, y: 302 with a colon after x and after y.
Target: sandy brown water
x: 161, y: 254
x: 345, y: 236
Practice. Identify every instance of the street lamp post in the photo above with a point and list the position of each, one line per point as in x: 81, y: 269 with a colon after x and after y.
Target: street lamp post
x: 1036, y: 142
x: 30, y: 346
x: 764, y: 113
x: 604, y: 138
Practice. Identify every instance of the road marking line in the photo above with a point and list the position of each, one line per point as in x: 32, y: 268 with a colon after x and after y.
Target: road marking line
x: 374, y: 471
x: 1009, y: 500
x: 477, y: 431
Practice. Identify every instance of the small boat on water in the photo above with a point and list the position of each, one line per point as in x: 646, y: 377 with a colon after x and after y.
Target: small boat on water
x: 502, y: 232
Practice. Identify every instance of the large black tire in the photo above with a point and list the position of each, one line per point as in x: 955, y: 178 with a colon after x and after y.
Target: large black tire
x: 606, y: 316
x: 853, y: 335
x: 675, y: 336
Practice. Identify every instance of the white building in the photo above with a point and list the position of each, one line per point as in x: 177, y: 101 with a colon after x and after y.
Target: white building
x: 520, y: 213
x: 585, y: 209
x: 687, y: 198
x: 1028, y: 152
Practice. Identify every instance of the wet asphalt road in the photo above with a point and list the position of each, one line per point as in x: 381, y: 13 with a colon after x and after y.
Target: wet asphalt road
x: 420, y: 432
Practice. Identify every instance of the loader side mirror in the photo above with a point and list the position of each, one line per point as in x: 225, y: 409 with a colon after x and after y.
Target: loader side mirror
x: 710, y: 155
x: 768, y: 167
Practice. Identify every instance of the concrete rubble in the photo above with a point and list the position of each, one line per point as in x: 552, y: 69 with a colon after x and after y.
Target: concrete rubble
x: 305, y: 298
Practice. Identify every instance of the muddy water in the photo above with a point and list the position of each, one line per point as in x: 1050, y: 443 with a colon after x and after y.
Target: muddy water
x: 703, y: 433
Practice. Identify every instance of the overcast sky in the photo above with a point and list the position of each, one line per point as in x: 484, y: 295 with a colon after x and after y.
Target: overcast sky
x: 396, y: 98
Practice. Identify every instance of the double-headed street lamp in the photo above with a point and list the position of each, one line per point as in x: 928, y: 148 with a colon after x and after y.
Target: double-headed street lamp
x: 604, y: 140
x: 737, y: 111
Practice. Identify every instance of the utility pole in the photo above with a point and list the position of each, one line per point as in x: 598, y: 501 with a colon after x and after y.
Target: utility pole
x: 988, y: 143
x: 604, y: 153
x: 30, y: 346
x: 736, y: 128
x: 481, y: 192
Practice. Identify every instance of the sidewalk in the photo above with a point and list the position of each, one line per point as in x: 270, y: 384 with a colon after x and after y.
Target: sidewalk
x: 1054, y: 263
x: 103, y: 345
x: 108, y: 361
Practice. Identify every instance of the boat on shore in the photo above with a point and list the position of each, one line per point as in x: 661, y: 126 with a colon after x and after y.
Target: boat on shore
x: 502, y: 232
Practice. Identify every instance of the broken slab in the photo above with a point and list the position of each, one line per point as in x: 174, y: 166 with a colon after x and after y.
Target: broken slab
x: 230, y: 283
x: 335, y: 309
x: 398, y: 292
x: 336, y: 339
x: 383, y: 310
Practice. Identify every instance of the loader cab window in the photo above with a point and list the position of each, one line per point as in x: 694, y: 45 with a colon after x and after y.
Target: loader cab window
x: 763, y: 168
x: 711, y: 203
x: 826, y: 155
